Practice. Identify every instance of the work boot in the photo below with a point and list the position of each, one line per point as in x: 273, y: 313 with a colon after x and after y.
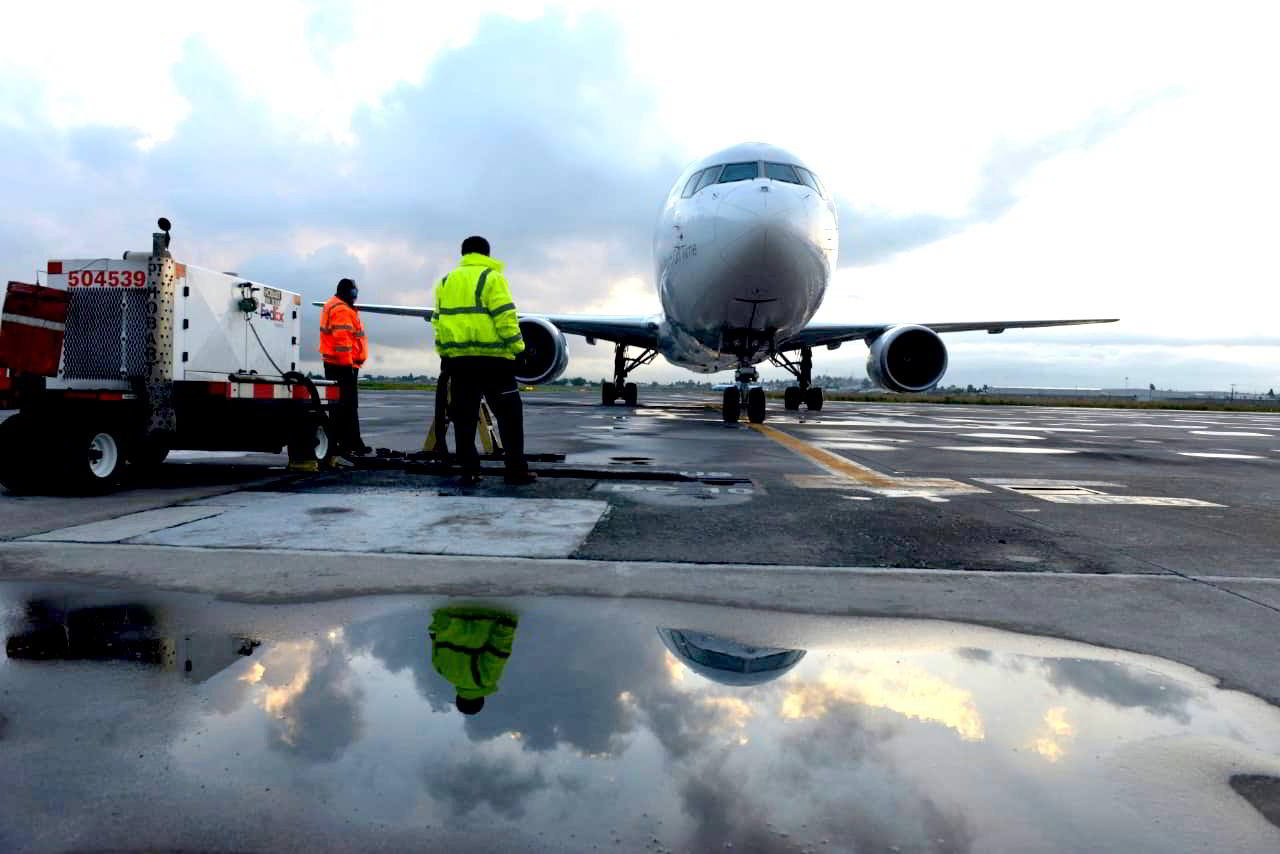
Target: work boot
x: 519, y: 478
x: 341, y: 463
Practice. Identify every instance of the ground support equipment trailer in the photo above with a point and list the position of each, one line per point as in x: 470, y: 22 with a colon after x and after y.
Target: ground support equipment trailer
x: 115, y: 363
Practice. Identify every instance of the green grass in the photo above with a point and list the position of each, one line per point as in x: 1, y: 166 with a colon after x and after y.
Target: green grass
x: 1085, y: 402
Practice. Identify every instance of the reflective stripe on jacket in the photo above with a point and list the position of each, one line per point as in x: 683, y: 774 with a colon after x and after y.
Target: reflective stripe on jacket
x: 475, y: 315
x: 470, y: 647
x: 342, y: 340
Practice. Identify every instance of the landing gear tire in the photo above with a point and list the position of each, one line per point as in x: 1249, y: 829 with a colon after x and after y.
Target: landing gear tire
x: 608, y: 394
x: 792, y: 397
x: 17, y: 453
x: 732, y: 406
x: 630, y: 394
x: 813, y: 399
x: 92, y: 458
x: 312, y: 443
x: 756, y: 406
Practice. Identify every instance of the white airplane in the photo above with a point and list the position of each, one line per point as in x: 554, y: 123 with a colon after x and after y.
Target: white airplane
x: 743, y: 252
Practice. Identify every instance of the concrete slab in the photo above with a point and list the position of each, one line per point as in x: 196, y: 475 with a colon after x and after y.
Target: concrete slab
x: 394, y: 523
x: 125, y: 527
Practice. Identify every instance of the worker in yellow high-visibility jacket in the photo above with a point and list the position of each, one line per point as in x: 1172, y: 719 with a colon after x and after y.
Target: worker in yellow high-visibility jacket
x: 478, y: 331
x: 344, y: 348
x: 470, y: 647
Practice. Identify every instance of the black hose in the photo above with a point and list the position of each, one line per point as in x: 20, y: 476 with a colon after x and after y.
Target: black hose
x: 302, y: 379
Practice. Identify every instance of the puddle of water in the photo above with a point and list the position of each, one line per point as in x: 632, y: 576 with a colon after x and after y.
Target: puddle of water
x: 164, y: 720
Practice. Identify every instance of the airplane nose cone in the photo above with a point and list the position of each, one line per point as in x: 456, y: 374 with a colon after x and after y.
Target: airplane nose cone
x: 765, y: 238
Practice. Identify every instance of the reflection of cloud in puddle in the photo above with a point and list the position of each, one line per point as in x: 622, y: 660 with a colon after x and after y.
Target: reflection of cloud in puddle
x: 1057, y: 729
x: 885, y: 682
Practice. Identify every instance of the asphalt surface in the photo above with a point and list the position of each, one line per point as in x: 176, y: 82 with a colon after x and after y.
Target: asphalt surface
x: 1135, y: 533
x: 1013, y: 468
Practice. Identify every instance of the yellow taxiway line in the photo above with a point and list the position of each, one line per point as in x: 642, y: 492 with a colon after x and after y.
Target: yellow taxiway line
x: 833, y: 463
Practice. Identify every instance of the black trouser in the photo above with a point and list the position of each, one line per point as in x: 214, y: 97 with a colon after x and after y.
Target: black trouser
x: 470, y: 378
x: 346, y: 412
x: 443, y: 409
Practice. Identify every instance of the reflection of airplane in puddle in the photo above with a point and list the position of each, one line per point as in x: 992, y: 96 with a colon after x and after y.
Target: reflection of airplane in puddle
x: 127, y: 633
x: 743, y: 254
x: 728, y: 661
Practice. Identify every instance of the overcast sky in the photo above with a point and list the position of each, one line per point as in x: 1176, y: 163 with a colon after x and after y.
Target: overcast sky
x: 991, y: 161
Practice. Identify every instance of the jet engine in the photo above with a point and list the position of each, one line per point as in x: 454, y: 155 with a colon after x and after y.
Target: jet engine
x: 907, y: 358
x: 546, y: 353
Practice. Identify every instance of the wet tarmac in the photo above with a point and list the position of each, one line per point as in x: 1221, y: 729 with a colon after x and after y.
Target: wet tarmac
x: 666, y: 577
x: 145, y: 720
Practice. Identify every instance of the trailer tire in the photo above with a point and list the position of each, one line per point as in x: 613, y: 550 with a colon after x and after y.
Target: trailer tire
x: 148, y: 455
x: 18, y: 472
x: 312, y: 442
x: 91, y: 458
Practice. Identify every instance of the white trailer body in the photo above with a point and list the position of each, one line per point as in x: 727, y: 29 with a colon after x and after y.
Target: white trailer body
x: 160, y: 355
x: 213, y: 336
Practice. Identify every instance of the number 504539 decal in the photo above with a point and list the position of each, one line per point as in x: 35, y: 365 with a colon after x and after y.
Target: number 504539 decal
x: 107, y: 278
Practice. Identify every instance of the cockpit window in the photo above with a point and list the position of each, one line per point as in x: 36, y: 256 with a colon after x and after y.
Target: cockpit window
x: 781, y: 172
x: 708, y: 177
x: 740, y: 172
x: 691, y: 186
x: 810, y: 180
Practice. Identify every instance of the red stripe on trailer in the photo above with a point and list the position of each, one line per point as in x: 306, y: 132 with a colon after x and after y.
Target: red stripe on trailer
x: 55, y: 268
x: 220, y: 389
x: 331, y: 392
x: 263, y: 390
x: 300, y: 393
x: 98, y: 395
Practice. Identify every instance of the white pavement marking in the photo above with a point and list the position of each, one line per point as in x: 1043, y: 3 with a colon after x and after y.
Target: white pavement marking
x: 1037, y: 481
x: 855, y: 446
x: 1228, y: 433
x: 1007, y: 449
x: 388, y: 522
x: 1151, y: 500
x: 124, y: 527
x: 1077, y: 492
x: 1000, y: 436
x: 1220, y: 456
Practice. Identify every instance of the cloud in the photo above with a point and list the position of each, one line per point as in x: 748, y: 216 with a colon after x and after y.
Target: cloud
x: 312, y: 701
x: 1121, y: 685
x: 468, y: 779
x: 868, y: 236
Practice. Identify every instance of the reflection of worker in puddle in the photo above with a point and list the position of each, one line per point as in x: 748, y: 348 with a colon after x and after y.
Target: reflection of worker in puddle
x: 728, y: 661
x: 470, y: 647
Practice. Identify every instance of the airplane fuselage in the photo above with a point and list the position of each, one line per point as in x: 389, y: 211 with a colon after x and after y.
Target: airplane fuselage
x: 743, y: 253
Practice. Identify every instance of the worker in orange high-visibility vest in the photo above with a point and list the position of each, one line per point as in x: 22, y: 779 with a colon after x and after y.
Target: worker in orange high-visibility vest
x: 344, y: 349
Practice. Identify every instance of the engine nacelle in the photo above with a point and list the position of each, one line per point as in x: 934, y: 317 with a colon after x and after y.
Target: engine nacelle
x: 546, y: 353
x: 907, y: 358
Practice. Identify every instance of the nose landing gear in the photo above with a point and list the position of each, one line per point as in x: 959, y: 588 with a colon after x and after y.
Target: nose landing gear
x: 744, y: 389
x: 804, y: 392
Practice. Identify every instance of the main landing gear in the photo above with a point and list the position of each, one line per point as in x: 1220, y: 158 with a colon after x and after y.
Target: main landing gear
x: 622, y: 365
x: 744, y: 390
x: 805, y: 392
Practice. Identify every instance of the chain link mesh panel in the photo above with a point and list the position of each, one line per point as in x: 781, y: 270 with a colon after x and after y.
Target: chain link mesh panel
x: 106, y: 337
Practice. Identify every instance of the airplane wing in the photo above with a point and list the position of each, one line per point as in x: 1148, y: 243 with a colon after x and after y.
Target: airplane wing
x: 632, y: 331
x: 828, y: 334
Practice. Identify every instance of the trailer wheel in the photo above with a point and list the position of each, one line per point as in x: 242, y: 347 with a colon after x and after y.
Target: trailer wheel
x: 148, y: 455
x: 92, y: 458
x: 311, y: 442
x: 17, y: 469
